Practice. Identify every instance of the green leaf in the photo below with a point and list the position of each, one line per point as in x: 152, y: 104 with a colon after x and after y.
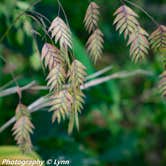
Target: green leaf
x: 81, y: 54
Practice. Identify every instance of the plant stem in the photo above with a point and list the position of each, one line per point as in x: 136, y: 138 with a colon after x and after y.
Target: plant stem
x: 43, y: 102
x: 17, y: 18
x: 143, y: 10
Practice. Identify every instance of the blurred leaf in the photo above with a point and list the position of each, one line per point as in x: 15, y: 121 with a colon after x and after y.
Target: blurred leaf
x: 14, y: 153
x: 35, y: 62
x: 22, y: 5
x: 80, y: 53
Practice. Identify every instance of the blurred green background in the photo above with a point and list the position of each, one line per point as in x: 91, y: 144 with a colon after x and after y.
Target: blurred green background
x: 123, y: 121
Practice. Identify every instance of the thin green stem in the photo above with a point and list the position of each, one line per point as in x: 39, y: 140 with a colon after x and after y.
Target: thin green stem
x: 41, y: 15
x: 14, y: 80
x: 8, y: 83
x: 40, y: 25
x: 143, y: 10
x: 67, y: 22
x: 17, y: 18
x: 60, y: 5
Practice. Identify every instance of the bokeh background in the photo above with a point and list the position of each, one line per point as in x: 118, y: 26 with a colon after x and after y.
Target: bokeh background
x: 123, y: 121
